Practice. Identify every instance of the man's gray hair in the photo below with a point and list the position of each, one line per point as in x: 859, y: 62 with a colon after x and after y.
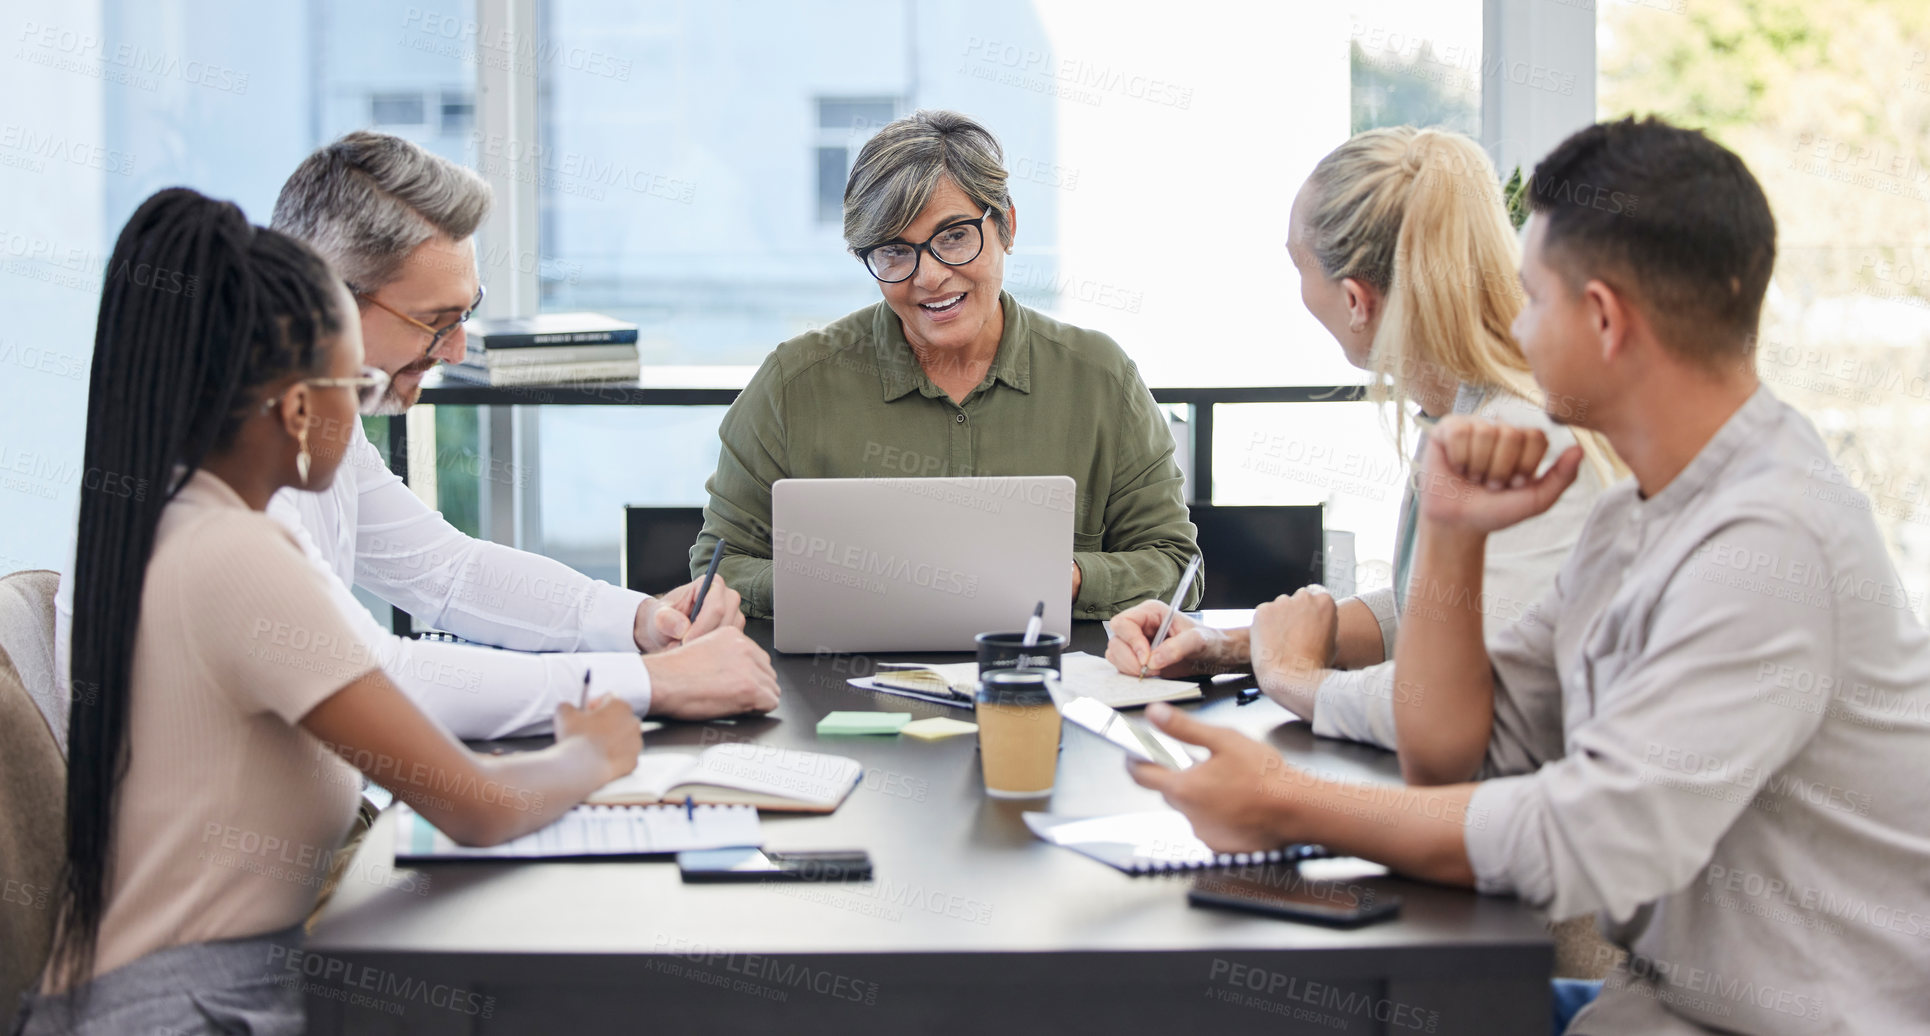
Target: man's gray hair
x: 897, y: 170
x: 367, y: 200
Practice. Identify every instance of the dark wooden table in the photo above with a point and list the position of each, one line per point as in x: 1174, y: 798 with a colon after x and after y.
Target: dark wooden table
x: 970, y: 925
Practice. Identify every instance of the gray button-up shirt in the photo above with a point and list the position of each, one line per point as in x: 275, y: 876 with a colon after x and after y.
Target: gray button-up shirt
x: 1745, y: 798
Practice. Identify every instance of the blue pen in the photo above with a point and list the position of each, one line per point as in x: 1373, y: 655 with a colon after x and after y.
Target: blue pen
x: 690, y: 810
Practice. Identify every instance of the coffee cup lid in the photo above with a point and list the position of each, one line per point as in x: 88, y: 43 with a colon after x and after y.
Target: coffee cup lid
x: 1019, y: 677
x: 1015, y: 686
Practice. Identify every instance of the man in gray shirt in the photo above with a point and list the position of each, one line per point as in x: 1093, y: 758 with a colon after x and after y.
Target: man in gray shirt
x: 1745, y: 690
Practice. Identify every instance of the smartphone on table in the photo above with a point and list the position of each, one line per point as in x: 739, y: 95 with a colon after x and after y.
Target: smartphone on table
x: 747, y: 864
x: 1280, y: 890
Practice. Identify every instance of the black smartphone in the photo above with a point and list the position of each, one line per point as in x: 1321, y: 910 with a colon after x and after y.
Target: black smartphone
x: 1281, y: 891
x: 757, y: 865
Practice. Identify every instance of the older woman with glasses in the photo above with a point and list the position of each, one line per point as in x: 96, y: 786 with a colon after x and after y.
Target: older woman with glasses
x: 948, y: 376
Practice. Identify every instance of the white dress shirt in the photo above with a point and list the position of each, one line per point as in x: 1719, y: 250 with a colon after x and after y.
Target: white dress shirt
x: 369, y: 528
x: 1521, y: 562
x: 1746, y: 696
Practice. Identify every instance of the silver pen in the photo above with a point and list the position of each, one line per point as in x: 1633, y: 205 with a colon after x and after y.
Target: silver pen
x: 1172, y: 609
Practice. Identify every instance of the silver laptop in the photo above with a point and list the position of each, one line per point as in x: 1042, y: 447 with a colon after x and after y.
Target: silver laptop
x: 918, y: 564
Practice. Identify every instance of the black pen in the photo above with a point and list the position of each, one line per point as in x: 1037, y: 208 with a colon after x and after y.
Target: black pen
x: 709, y: 574
x: 584, y: 702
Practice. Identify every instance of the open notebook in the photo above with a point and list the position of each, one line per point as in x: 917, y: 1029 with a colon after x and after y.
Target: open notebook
x: 1079, y: 674
x: 774, y: 779
x: 1149, y: 843
x: 590, y: 833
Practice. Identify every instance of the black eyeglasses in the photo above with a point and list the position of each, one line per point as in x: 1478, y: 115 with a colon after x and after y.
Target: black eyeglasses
x: 436, y: 334
x: 954, y: 245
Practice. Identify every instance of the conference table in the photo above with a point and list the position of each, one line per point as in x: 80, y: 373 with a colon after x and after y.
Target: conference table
x: 969, y: 925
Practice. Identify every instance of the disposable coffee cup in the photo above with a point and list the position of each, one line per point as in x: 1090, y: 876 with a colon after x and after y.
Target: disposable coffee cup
x: 1008, y: 651
x: 1018, y: 732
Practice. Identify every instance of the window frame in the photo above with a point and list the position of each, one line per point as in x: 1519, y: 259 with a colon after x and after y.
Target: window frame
x: 844, y: 139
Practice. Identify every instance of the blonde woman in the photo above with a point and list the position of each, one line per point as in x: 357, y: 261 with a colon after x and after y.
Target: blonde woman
x: 1407, y: 257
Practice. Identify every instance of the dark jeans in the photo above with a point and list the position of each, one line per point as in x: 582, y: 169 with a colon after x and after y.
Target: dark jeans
x: 1571, y: 995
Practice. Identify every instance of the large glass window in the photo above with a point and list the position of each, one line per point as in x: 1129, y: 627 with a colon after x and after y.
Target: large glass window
x: 1828, y: 103
x: 693, y: 169
x: 1408, y: 64
x: 1152, y: 165
x: 1416, y: 64
x: 111, y: 100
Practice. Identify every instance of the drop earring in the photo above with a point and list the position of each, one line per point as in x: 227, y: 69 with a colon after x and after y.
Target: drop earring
x: 301, y: 455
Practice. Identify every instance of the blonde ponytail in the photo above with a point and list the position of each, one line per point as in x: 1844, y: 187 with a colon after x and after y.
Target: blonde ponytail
x: 1419, y: 215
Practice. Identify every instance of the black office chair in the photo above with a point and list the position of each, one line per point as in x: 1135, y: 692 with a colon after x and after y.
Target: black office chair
x: 656, y: 546
x: 1254, y: 554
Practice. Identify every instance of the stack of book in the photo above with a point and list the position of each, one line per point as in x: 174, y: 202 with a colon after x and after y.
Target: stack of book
x: 547, y: 349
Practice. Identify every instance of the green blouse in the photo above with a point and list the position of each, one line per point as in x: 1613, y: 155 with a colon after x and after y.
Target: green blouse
x: 851, y: 401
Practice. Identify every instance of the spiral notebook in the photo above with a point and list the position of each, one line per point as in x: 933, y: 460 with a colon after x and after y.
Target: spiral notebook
x: 590, y: 833
x: 1150, y: 843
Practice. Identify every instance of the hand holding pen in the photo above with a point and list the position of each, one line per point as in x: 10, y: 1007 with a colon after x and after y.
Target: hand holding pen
x: 606, y: 723
x: 716, y: 555
x: 1172, y: 609
x: 691, y: 610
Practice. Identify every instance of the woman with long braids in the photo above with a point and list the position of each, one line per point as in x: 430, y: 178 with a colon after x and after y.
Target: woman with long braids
x: 219, y: 697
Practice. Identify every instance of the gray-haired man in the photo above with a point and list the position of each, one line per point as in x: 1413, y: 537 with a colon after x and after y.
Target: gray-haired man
x: 397, y: 223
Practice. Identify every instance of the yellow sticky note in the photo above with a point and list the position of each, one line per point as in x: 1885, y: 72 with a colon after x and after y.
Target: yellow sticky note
x: 936, y: 727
